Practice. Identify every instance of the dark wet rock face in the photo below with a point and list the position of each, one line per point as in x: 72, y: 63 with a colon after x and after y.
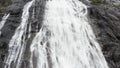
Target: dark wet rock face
x: 35, y: 20
x: 3, y: 41
x: 13, y: 21
x: 106, y: 25
x: 105, y: 20
x: 7, y: 32
x: 3, y: 7
x: 15, y: 9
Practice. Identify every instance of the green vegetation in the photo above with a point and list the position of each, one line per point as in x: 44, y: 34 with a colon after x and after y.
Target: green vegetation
x: 117, y: 6
x: 3, y: 5
x: 103, y: 3
x: 97, y: 2
x: 5, y: 2
x: 2, y: 10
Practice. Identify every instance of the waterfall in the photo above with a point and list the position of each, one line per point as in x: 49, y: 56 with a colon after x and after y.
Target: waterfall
x: 17, y: 43
x: 66, y: 39
x: 5, y: 17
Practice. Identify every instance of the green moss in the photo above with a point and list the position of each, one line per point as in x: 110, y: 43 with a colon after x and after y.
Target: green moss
x: 3, y: 5
x: 2, y: 10
x: 97, y: 2
x: 103, y: 3
x: 117, y: 6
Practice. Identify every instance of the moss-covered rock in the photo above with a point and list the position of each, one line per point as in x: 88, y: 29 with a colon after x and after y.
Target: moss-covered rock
x: 104, y: 3
x: 97, y: 2
x: 4, y: 4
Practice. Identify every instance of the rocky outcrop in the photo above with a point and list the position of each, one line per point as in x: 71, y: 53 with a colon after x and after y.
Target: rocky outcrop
x: 115, y: 2
x: 35, y: 21
x: 105, y: 21
x: 3, y: 7
x: 15, y: 10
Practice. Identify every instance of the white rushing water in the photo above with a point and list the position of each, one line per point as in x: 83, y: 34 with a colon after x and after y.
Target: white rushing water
x: 17, y: 43
x: 66, y: 39
x: 5, y: 17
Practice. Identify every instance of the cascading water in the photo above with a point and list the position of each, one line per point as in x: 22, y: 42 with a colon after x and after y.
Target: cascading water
x: 3, y: 21
x: 17, y: 43
x: 66, y: 39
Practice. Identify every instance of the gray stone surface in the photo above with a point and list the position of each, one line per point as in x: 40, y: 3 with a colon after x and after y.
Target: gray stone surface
x: 106, y: 25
